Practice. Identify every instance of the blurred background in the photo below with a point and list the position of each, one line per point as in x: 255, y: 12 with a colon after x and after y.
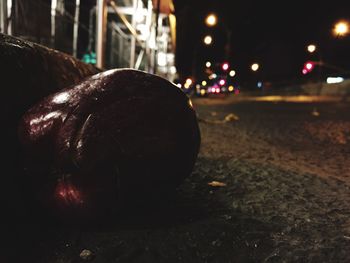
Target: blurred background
x: 205, y: 47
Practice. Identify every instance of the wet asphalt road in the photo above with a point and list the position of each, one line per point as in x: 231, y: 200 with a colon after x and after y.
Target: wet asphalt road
x: 281, y: 193
x: 290, y: 162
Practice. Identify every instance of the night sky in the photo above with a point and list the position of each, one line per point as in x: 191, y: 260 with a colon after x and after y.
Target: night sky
x: 274, y: 34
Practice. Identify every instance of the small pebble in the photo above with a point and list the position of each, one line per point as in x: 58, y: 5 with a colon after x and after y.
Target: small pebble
x: 86, y: 254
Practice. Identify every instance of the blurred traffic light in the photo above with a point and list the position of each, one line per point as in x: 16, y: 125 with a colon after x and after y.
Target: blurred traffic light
x: 225, y: 66
x: 222, y: 82
x: 308, y: 67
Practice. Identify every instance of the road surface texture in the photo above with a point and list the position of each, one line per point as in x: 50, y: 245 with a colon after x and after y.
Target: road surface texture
x: 271, y: 184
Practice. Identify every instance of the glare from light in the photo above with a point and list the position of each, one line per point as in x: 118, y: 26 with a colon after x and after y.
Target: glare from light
x: 297, y: 99
x: 188, y: 81
x: 304, y: 71
x: 311, y: 48
x: 179, y: 85
x: 213, y: 76
x: 173, y: 70
x: 187, y: 86
x: 211, y: 20
x: 202, y: 92
x: 139, y: 15
x: 53, y: 6
x: 144, y: 31
x: 333, y: 80
x: 232, y: 73
x: 198, y: 86
x: 222, y: 82
x: 341, y: 28
x: 204, y: 83
x: 43, y: 118
x: 208, y: 40
x: 217, y: 90
x: 255, y: 66
x: 162, y: 61
x: 225, y: 66
x: 259, y: 84
x: 231, y: 88
x: 208, y: 64
x: 309, y: 66
x: 152, y: 41
x: 61, y: 98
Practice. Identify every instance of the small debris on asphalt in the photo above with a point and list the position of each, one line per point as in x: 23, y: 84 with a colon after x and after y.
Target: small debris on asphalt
x: 315, y: 113
x: 228, y: 118
x: 86, y: 255
x: 231, y: 117
x: 217, y: 184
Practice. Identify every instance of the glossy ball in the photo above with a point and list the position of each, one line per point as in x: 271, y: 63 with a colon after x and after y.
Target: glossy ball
x: 119, y: 137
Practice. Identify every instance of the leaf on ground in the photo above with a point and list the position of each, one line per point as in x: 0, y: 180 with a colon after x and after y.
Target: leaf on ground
x: 231, y: 117
x: 86, y: 255
x: 228, y: 118
x: 217, y: 184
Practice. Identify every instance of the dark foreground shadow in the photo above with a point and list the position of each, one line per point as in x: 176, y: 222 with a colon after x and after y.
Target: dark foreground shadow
x: 196, y: 224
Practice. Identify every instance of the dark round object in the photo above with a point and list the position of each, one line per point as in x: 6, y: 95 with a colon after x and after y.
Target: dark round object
x: 29, y: 72
x: 119, y: 137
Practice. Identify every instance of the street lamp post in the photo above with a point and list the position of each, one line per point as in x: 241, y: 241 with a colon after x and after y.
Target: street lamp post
x: 255, y: 67
x: 212, y: 20
x: 208, y: 40
x: 341, y: 29
x: 313, y: 49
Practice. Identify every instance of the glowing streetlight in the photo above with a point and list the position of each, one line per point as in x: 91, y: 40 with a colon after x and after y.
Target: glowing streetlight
x: 208, y: 40
x: 211, y: 20
x: 213, y: 76
x: 225, y: 66
x: 309, y: 66
x: 188, y: 81
x: 232, y: 73
x: 222, y: 82
x: 204, y: 83
x: 311, y: 48
x: 255, y: 66
x: 341, y: 28
x: 208, y: 64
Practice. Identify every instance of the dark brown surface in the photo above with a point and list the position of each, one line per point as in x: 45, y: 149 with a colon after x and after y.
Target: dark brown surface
x: 119, y: 137
x: 28, y: 73
x: 286, y: 195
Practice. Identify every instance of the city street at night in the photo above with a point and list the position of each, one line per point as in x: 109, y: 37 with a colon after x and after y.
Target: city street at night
x: 271, y: 184
x: 165, y: 131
